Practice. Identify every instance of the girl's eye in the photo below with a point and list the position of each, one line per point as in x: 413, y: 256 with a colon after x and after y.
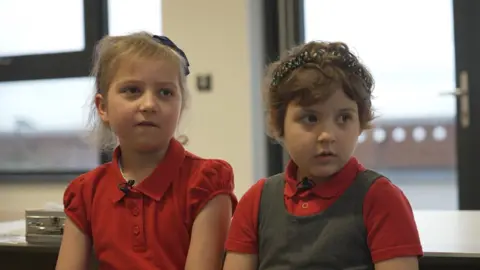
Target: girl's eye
x: 131, y: 90
x: 344, y: 118
x: 309, y: 119
x: 166, y: 92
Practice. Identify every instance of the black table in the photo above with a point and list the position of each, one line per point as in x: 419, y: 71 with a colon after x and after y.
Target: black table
x: 20, y: 256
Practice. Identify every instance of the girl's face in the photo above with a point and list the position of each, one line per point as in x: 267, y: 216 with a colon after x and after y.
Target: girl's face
x: 321, y: 138
x: 143, y: 105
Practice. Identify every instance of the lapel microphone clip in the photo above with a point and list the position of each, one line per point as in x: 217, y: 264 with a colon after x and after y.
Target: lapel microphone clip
x: 125, y: 187
x: 304, y: 185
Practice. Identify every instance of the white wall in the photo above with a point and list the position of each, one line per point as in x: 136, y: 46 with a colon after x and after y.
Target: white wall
x: 222, y: 38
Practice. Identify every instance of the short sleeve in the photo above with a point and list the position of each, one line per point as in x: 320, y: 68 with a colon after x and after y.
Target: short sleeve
x: 391, y: 228
x: 243, y: 234
x: 74, y: 205
x: 215, y: 178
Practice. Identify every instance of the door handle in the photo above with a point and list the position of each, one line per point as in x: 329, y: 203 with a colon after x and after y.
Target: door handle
x: 463, y: 97
x: 464, y: 100
x: 458, y: 92
x: 462, y: 90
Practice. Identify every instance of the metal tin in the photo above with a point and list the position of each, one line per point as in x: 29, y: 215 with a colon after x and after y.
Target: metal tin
x: 44, y: 226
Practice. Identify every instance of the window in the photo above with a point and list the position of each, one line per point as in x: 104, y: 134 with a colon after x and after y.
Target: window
x: 36, y: 46
x: 44, y: 83
x: 412, y: 60
x: 32, y: 32
x: 42, y: 126
x: 130, y: 16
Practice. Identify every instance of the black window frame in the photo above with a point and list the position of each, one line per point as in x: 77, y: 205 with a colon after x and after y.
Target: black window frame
x: 467, y: 57
x: 278, y: 16
x: 60, y: 65
x: 56, y: 66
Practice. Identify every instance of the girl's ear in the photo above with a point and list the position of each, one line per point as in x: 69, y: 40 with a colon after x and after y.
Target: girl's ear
x: 101, y: 105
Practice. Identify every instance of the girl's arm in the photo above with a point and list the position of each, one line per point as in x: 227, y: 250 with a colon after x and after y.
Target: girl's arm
x: 209, y: 233
x: 75, y: 249
x: 242, y: 242
x: 392, y: 234
x: 404, y: 263
x: 241, y: 261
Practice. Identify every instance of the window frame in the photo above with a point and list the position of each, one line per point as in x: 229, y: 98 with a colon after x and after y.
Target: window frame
x: 467, y: 57
x: 283, y: 28
x: 56, y: 66
x: 59, y: 65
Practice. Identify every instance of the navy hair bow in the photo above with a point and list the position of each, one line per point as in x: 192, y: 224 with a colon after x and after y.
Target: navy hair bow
x: 168, y: 42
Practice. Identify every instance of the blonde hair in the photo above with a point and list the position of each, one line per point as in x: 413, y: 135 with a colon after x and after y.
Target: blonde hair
x: 110, y: 53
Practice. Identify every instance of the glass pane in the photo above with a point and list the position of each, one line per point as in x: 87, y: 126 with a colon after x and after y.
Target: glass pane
x: 42, y: 125
x: 34, y: 28
x: 131, y: 16
x: 412, y: 61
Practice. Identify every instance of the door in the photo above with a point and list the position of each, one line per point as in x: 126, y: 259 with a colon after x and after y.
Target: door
x: 426, y: 71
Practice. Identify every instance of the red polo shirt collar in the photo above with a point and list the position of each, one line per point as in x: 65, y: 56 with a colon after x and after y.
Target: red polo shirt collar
x: 329, y: 189
x: 157, y: 183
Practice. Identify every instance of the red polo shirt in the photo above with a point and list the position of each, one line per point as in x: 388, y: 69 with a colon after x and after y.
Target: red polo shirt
x: 150, y: 228
x: 388, y: 216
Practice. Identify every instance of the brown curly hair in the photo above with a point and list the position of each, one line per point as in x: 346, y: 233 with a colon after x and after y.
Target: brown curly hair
x: 303, y: 75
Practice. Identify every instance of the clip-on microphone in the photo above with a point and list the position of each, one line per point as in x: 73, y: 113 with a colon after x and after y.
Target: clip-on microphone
x: 125, y: 187
x: 304, y: 185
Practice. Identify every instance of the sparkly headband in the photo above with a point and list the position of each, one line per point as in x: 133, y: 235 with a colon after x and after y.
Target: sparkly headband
x: 346, y: 60
x: 169, y: 43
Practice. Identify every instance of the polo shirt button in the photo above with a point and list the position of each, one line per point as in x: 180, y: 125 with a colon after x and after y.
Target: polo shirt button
x: 136, y: 230
x: 304, y: 205
x: 135, y: 211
